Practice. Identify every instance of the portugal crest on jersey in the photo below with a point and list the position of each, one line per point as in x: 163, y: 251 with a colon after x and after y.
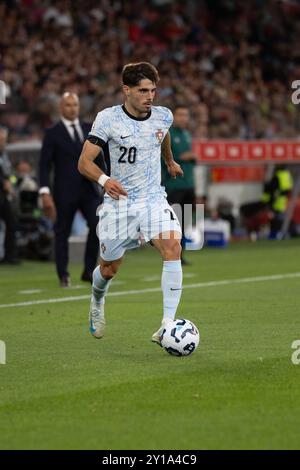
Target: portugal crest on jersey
x: 159, y: 135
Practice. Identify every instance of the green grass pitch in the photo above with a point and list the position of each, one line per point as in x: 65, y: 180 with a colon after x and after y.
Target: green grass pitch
x: 63, y: 389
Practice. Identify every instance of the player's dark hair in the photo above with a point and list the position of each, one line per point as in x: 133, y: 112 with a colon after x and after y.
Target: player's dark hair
x: 132, y: 74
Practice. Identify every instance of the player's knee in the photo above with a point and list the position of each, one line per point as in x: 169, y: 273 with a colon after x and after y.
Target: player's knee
x: 109, y: 271
x: 172, y: 250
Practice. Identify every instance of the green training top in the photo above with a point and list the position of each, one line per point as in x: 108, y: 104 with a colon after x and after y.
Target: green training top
x: 181, y: 141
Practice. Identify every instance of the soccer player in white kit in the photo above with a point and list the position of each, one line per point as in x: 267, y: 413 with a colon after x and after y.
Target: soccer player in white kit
x: 135, y: 203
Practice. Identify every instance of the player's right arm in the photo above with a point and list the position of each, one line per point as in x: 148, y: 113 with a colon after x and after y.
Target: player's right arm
x: 98, y: 137
x: 90, y: 170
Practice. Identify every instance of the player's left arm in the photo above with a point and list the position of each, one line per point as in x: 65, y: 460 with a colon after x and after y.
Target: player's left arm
x: 174, y: 168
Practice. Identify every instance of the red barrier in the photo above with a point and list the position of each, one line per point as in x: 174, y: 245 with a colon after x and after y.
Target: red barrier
x: 237, y: 174
x: 248, y: 152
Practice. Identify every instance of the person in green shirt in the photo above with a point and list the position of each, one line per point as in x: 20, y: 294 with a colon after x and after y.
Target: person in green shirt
x: 181, y: 190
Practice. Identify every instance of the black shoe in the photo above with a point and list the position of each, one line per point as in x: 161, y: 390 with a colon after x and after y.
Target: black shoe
x: 87, y: 276
x: 65, y: 281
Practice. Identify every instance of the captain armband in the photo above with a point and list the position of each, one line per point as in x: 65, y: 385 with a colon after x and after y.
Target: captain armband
x: 96, y: 141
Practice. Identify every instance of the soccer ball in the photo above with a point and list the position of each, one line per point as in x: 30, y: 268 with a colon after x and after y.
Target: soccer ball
x: 180, y: 337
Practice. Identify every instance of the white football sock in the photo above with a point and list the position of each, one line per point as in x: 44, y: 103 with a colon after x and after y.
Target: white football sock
x: 100, y: 286
x: 171, y: 284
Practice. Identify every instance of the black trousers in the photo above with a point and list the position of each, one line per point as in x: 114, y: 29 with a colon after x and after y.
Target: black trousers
x: 65, y: 215
x: 8, y: 215
x: 182, y: 197
x: 252, y: 208
x: 277, y: 222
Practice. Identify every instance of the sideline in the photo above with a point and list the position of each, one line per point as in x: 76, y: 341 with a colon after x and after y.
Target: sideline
x: 200, y: 285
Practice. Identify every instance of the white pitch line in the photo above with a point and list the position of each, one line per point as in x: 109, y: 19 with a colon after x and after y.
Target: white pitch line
x: 30, y: 291
x: 158, y: 278
x: 78, y: 286
x: 151, y: 278
x: 118, y: 283
x: 243, y: 280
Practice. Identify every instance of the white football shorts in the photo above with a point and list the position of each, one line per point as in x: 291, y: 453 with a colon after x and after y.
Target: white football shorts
x: 121, y: 226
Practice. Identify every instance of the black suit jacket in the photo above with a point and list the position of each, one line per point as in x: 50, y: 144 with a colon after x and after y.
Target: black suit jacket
x: 61, y: 153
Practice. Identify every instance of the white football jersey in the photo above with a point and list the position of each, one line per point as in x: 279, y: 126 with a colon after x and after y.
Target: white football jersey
x: 135, y: 149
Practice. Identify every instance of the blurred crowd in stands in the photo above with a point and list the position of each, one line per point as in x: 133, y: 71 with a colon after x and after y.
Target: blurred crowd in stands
x: 231, y: 62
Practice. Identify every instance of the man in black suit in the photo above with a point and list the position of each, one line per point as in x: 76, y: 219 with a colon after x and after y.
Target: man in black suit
x: 7, y: 210
x: 71, y: 191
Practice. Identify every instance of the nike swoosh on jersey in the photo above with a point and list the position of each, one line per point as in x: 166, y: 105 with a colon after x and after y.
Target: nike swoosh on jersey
x: 125, y: 136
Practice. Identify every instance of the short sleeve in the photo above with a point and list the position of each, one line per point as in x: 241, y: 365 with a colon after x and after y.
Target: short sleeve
x: 101, y: 126
x: 169, y: 117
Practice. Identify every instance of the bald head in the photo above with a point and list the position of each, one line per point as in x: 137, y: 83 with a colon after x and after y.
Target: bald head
x: 3, y: 138
x: 69, y: 106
